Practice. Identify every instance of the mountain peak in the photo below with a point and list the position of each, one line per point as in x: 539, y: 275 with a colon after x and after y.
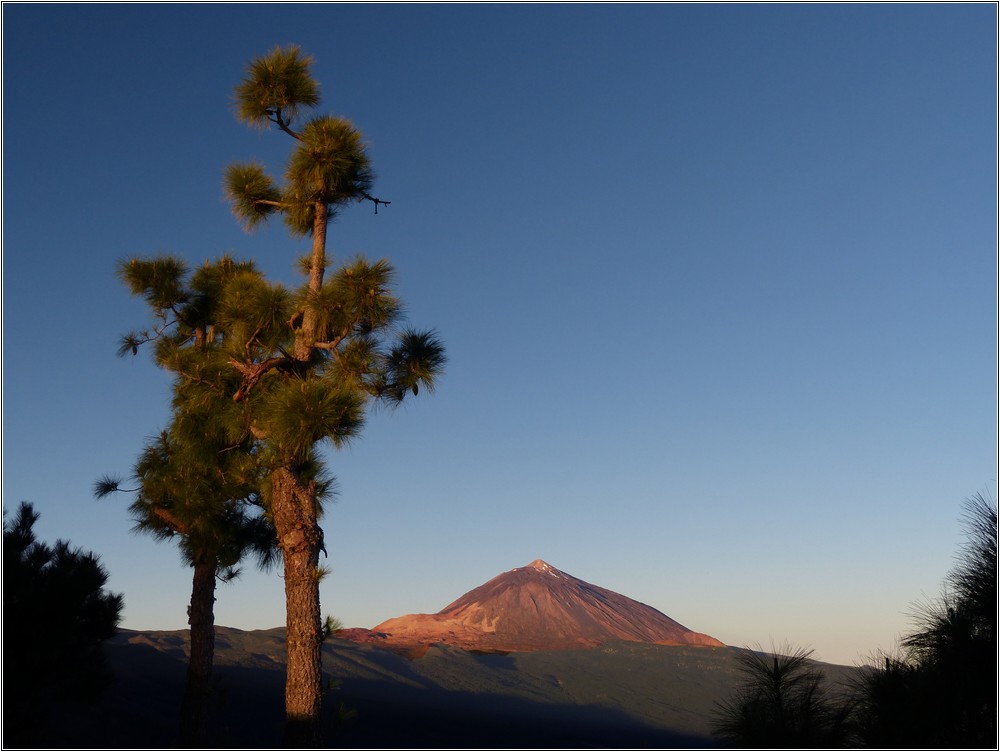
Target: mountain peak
x: 540, y: 565
x: 520, y: 610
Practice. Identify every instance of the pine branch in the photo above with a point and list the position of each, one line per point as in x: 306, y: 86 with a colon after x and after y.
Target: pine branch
x: 252, y: 374
x: 211, y: 385
x: 376, y: 201
x: 275, y: 117
x: 253, y: 338
x: 170, y: 519
x: 328, y: 346
x: 109, y: 484
x: 134, y: 340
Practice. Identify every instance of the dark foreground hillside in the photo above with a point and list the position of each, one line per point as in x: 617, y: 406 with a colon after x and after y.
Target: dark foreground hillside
x: 619, y: 695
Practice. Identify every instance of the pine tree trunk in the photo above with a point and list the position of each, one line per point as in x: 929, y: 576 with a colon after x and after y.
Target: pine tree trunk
x: 294, y: 508
x: 293, y: 505
x: 201, y: 617
x: 306, y: 334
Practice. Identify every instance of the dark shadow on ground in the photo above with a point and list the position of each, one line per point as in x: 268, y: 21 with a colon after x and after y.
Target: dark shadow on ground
x: 391, y: 702
x: 436, y: 719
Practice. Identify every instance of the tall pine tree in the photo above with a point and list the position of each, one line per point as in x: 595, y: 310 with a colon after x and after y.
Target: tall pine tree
x: 297, y: 367
x: 343, y: 353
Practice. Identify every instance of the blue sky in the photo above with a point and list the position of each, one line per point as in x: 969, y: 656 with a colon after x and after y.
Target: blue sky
x: 717, y: 283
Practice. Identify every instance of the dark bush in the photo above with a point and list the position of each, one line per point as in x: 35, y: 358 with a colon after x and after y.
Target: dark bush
x: 56, y: 615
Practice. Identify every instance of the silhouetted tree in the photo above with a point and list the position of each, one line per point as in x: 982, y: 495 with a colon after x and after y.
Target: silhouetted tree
x: 941, y: 689
x: 56, y: 615
x: 781, y: 703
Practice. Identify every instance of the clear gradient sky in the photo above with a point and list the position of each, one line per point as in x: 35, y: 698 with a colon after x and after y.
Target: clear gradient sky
x: 718, y: 285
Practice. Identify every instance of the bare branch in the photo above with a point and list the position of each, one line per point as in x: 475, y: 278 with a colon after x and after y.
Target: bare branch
x: 170, y: 519
x: 279, y: 121
x: 376, y: 201
x: 253, y: 373
x: 135, y: 340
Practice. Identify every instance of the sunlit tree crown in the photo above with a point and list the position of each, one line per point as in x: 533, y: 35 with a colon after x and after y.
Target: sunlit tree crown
x: 329, y: 165
x: 277, y: 85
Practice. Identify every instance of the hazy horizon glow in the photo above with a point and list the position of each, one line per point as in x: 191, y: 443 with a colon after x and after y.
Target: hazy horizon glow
x: 717, y: 285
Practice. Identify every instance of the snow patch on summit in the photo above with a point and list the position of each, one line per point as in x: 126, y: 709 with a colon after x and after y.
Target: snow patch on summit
x: 541, y: 566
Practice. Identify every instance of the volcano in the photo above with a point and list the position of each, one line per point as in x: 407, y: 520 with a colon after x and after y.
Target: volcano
x: 536, y: 607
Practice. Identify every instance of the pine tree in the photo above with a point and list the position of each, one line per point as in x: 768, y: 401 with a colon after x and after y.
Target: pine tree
x: 940, y: 690
x: 56, y: 615
x: 295, y: 368
x: 342, y: 351
x: 181, y: 496
x: 781, y: 703
x: 199, y: 481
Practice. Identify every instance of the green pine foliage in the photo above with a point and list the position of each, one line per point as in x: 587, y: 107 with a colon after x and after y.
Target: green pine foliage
x: 277, y: 86
x: 297, y: 413
x: 200, y: 482
x: 253, y: 194
x: 226, y: 333
x: 329, y: 165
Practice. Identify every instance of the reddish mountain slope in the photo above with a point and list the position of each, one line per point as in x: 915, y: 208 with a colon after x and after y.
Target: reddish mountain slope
x: 536, y: 607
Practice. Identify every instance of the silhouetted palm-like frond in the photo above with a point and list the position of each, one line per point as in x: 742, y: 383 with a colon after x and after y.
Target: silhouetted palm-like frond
x: 974, y: 578
x: 942, y: 690
x: 781, y: 703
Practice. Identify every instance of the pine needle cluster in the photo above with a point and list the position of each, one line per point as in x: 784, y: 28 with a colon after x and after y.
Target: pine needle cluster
x: 329, y: 165
x: 276, y: 87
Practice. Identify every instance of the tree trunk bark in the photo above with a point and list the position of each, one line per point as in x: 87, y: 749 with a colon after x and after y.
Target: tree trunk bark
x: 201, y: 617
x: 306, y: 334
x: 294, y: 508
x: 293, y: 505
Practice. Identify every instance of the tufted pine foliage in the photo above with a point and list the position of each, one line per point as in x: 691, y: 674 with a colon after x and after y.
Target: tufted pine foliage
x: 357, y: 299
x: 329, y: 164
x: 276, y: 87
x: 252, y: 193
x: 296, y: 413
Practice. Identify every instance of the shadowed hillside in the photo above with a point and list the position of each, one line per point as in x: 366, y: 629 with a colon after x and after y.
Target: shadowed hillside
x: 623, y: 694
